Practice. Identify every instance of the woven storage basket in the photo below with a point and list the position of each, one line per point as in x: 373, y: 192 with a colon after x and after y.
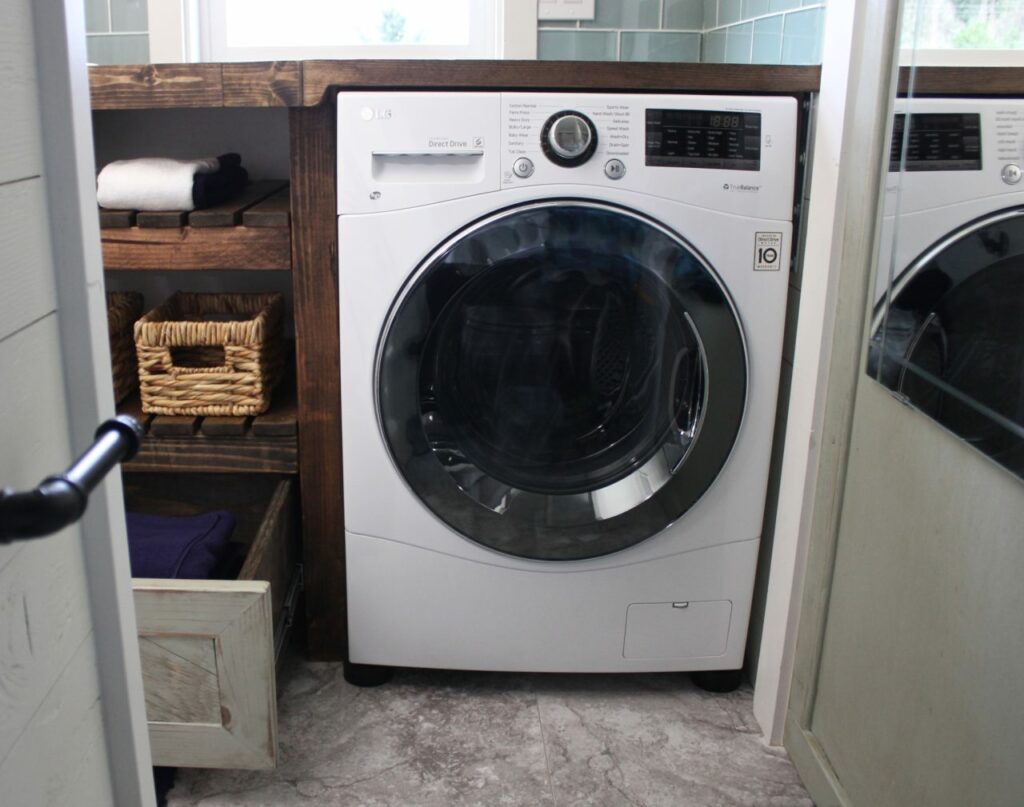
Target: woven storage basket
x: 210, y: 354
x: 123, y: 308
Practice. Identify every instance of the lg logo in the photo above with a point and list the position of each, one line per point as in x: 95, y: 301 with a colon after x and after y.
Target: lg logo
x: 369, y: 113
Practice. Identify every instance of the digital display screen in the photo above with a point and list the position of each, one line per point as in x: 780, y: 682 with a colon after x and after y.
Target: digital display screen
x: 937, y: 142
x: 700, y: 138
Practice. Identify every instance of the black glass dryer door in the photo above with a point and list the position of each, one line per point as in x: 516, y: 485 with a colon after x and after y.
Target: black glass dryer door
x: 951, y: 341
x: 561, y: 380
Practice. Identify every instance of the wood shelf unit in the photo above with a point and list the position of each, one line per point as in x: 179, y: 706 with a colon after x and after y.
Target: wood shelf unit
x: 252, y: 232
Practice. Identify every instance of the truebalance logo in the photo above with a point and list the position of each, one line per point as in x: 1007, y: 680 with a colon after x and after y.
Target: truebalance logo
x: 739, y: 187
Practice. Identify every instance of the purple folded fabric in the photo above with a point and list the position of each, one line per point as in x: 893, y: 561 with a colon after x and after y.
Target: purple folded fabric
x: 189, y: 547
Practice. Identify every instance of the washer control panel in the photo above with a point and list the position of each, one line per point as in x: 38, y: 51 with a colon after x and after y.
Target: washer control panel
x: 950, y: 150
x: 398, y: 150
x: 720, y: 152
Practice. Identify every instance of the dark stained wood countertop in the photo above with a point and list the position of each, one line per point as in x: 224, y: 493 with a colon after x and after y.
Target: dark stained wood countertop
x: 293, y: 84
x: 309, y: 83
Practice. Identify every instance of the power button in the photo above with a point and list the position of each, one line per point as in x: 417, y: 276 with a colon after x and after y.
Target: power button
x: 1011, y: 174
x: 523, y: 167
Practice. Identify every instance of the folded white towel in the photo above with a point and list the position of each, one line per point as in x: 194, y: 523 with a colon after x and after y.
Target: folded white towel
x: 151, y: 183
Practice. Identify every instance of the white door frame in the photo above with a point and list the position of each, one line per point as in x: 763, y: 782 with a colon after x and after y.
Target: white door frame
x: 69, y: 169
x: 857, y: 72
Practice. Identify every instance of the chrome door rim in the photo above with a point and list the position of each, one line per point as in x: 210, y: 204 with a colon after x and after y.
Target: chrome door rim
x: 672, y: 464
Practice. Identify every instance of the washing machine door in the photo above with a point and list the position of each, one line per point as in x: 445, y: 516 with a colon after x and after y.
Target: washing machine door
x: 951, y: 340
x: 561, y: 380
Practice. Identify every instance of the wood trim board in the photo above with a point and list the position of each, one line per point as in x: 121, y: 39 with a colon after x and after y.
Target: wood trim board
x: 320, y: 77
x: 167, y: 86
x: 959, y: 81
x: 318, y: 380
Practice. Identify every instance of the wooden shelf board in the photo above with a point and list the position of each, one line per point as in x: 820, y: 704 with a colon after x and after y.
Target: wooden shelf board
x: 265, y: 443
x: 230, y: 213
x: 274, y: 211
x: 252, y: 231
x: 194, y: 248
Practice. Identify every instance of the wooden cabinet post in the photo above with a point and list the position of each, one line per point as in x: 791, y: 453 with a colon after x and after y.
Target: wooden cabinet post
x: 315, y: 286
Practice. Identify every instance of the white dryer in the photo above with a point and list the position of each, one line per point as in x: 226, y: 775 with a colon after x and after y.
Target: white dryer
x: 561, y: 325
x: 952, y: 246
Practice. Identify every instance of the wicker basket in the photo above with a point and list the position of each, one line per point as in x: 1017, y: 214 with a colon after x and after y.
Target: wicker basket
x: 123, y: 308
x: 210, y: 354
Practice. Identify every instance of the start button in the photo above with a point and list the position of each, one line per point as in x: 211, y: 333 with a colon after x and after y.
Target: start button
x: 615, y: 169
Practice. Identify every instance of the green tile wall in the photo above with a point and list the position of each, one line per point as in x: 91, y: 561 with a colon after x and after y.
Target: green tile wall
x: 595, y: 46
x: 118, y: 48
x: 628, y: 30
x: 117, y: 31
x: 767, y: 43
x: 659, y: 46
x: 763, y: 31
x: 129, y: 15
x: 625, y: 14
x: 734, y: 31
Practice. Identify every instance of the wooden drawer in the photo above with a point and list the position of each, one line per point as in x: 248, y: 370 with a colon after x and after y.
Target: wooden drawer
x: 208, y: 647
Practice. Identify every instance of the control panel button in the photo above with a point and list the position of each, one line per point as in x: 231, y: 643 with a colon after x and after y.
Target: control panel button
x: 1011, y: 174
x: 568, y: 138
x: 523, y: 167
x: 615, y: 169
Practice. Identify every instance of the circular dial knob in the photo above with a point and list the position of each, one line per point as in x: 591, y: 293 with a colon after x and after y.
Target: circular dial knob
x: 568, y: 138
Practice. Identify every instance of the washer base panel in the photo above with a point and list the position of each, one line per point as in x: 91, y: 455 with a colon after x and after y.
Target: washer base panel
x: 412, y: 607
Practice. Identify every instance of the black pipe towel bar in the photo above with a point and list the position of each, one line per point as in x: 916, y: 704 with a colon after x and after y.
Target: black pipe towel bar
x: 61, y: 499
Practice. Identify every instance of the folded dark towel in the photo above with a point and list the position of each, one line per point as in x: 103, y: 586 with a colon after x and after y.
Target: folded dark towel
x: 229, y: 160
x: 209, y: 190
x: 190, y: 547
x: 163, y: 781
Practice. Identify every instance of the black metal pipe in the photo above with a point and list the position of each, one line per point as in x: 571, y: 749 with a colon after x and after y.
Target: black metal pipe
x: 61, y: 499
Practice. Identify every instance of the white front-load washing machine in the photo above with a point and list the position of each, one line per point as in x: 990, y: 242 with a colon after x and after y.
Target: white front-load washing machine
x: 950, y: 282
x: 561, y: 322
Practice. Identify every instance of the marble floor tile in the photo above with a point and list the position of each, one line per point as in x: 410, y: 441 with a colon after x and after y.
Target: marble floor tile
x: 657, y: 740
x: 440, y: 739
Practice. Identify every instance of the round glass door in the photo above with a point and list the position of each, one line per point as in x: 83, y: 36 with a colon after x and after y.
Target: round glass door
x: 561, y: 380
x: 951, y: 341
